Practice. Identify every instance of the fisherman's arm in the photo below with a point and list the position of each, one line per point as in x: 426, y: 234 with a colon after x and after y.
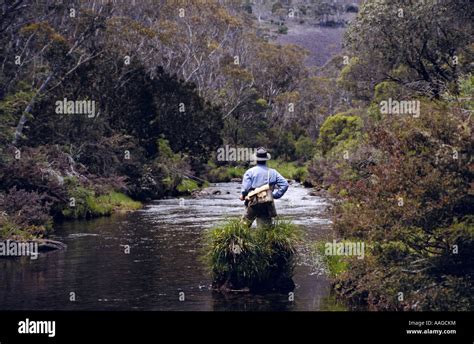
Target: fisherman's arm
x: 282, y: 185
x: 246, y: 185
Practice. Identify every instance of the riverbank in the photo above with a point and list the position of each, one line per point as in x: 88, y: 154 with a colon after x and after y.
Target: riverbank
x: 33, y: 223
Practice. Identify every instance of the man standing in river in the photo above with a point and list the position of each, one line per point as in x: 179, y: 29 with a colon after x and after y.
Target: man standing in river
x: 258, y: 190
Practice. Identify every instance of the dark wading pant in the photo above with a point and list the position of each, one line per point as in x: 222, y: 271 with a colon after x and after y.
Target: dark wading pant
x: 262, y: 212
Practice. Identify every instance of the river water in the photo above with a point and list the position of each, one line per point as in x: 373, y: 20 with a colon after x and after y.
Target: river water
x: 162, y: 270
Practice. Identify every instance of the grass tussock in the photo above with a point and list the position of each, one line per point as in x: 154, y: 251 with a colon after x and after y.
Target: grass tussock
x: 187, y: 186
x: 259, y: 259
x: 87, y: 204
x: 335, y: 264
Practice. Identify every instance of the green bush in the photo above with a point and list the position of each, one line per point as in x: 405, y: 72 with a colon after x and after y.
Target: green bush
x: 187, y: 186
x: 259, y: 259
x: 80, y: 199
x: 86, y: 204
x: 304, y: 148
x: 338, y: 128
x: 411, y: 202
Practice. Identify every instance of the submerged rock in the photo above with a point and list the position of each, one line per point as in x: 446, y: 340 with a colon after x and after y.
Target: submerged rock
x: 199, y: 193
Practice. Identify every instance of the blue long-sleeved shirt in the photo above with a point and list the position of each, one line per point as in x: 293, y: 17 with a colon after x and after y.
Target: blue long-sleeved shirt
x: 258, y: 176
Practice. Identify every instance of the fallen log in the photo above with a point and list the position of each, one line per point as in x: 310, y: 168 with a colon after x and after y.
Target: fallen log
x: 45, y: 245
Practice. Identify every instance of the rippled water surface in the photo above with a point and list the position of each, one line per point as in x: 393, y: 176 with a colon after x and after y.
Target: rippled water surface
x: 164, y: 241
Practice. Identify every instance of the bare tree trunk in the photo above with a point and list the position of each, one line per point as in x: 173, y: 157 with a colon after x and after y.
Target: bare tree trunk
x: 23, y: 118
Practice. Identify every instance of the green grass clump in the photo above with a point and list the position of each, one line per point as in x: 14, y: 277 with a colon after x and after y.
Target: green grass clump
x: 98, y: 206
x: 81, y: 203
x: 187, y: 186
x: 335, y: 264
x: 88, y: 205
x: 259, y: 259
x: 119, y: 201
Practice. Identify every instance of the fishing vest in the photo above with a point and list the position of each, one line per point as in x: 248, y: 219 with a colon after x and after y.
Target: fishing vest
x: 262, y: 194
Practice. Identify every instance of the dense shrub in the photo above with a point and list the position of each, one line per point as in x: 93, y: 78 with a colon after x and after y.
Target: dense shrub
x: 412, y: 205
x: 24, y: 214
x: 337, y: 129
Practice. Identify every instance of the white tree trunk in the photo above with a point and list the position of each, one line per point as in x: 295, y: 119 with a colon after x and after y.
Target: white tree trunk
x: 23, y: 118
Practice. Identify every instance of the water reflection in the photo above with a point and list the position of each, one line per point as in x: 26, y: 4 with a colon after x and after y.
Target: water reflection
x: 164, y: 242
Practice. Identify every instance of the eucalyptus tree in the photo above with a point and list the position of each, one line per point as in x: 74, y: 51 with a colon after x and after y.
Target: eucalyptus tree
x: 424, y: 45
